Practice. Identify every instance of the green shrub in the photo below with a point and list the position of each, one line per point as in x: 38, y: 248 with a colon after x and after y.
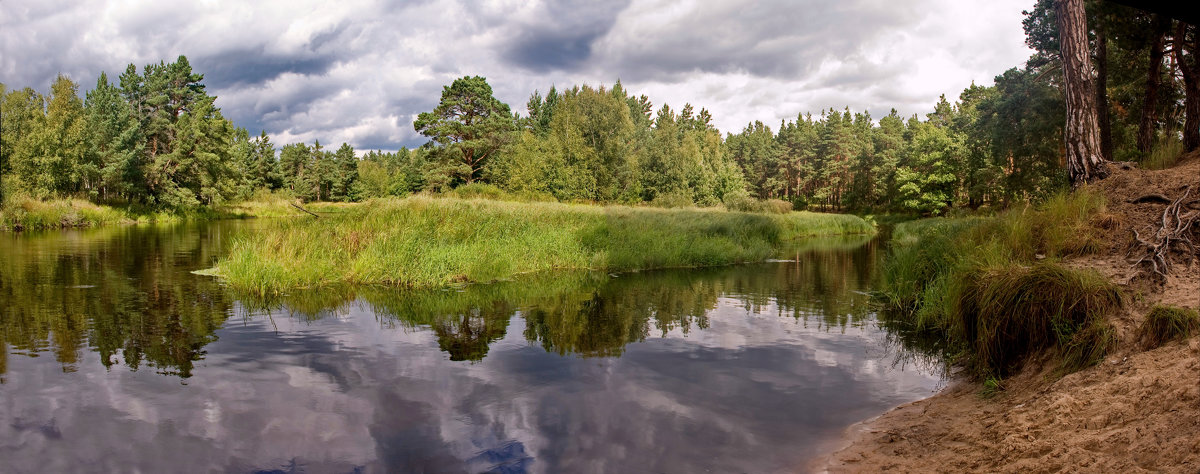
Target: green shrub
x: 744, y: 203
x: 740, y: 202
x: 1005, y: 313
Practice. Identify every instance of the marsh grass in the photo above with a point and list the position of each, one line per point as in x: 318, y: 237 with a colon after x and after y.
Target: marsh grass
x: 995, y: 288
x: 433, y: 242
x: 1166, y: 323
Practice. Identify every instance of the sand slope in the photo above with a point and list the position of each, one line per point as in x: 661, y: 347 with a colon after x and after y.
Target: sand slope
x: 1138, y: 411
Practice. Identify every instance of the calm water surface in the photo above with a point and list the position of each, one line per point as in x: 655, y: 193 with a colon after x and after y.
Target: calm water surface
x: 114, y: 357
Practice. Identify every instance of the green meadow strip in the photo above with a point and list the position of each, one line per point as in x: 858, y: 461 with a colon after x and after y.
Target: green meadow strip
x: 430, y: 242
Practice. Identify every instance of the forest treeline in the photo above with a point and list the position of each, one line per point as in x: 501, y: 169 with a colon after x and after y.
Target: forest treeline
x: 155, y: 138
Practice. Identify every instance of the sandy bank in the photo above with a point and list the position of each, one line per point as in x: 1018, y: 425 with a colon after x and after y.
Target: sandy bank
x: 1138, y: 411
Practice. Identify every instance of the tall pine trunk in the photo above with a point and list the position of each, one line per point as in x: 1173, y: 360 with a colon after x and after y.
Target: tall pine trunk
x: 1145, y: 138
x: 1190, y: 65
x: 1106, y: 146
x: 1085, y: 159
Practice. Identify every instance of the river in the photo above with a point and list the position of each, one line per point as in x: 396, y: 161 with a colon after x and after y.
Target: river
x: 115, y: 357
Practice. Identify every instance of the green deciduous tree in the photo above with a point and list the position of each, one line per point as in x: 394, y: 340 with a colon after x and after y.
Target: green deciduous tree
x: 927, y: 182
x: 56, y: 145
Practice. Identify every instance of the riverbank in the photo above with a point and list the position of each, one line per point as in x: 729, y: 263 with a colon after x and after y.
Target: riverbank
x: 33, y: 214
x: 1137, y: 410
x: 429, y: 242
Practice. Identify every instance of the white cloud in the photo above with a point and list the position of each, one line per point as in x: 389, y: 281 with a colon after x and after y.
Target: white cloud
x: 359, y: 70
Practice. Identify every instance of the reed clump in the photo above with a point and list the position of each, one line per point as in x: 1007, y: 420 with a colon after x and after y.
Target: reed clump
x: 430, y: 242
x: 1166, y: 323
x: 995, y: 287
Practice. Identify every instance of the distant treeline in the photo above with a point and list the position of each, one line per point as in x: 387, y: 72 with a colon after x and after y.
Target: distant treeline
x: 156, y: 139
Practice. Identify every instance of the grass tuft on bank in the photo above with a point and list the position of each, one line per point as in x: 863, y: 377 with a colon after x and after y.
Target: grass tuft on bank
x: 995, y: 287
x: 1166, y: 323
x: 426, y: 242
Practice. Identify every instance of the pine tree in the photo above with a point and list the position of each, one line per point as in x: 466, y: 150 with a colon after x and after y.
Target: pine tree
x: 467, y: 127
x: 114, y: 145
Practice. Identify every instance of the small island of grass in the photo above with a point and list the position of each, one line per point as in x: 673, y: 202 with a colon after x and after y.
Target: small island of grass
x: 428, y: 242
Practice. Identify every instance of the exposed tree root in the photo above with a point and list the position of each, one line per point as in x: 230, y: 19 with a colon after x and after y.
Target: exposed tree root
x: 1152, y: 198
x: 1175, y: 233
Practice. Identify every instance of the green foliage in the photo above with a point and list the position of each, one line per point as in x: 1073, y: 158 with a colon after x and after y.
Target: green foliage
x: 673, y: 200
x: 744, y: 203
x: 424, y: 242
x: 597, y: 144
x: 24, y: 213
x: 994, y: 289
x: 468, y: 127
x: 480, y: 191
x: 928, y: 182
x: 1166, y: 323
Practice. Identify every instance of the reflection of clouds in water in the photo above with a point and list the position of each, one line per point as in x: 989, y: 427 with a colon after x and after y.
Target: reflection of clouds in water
x: 752, y: 392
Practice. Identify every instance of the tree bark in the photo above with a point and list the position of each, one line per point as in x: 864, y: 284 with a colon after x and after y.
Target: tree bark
x: 1146, y: 129
x: 1085, y: 160
x: 1190, y: 65
x: 1106, y: 146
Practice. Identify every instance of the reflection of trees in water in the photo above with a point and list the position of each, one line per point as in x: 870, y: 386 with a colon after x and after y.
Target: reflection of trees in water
x: 827, y: 284
x: 124, y: 293
x: 601, y: 321
x: 466, y: 336
x: 145, y: 308
x: 914, y: 348
x: 596, y: 315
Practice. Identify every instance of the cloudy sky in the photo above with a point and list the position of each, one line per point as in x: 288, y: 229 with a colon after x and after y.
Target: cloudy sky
x: 359, y: 71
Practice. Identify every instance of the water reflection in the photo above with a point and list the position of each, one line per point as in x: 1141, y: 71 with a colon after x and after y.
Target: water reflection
x: 741, y: 368
x: 120, y: 292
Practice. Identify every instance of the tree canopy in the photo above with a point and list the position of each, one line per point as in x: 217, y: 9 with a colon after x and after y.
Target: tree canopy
x: 156, y: 138
x: 469, y: 126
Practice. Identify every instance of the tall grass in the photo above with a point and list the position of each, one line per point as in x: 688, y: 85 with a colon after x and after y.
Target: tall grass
x: 995, y: 288
x: 1166, y: 323
x: 20, y: 213
x: 1165, y: 152
x: 429, y: 242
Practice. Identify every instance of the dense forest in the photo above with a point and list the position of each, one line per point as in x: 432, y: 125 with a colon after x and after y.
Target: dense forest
x: 156, y: 139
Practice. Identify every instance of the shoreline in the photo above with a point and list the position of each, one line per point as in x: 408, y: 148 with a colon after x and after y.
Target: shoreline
x: 1137, y: 410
